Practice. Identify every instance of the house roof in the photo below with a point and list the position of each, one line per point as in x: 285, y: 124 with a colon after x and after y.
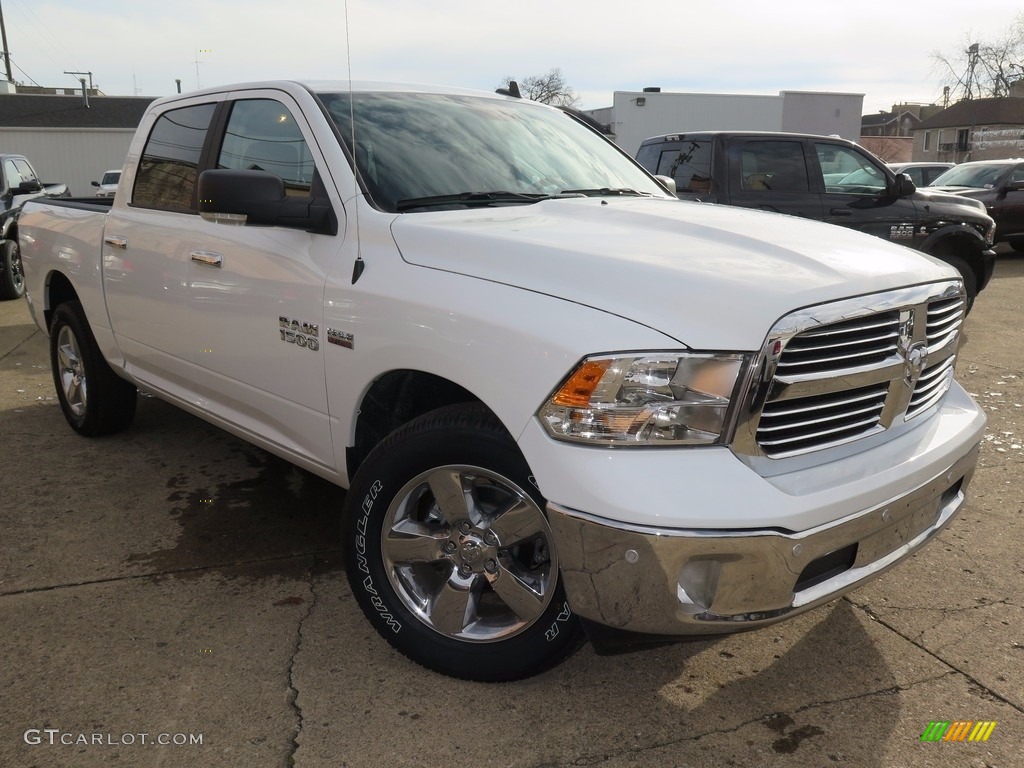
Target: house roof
x: 1004, y: 110
x: 879, y: 118
x: 45, y: 111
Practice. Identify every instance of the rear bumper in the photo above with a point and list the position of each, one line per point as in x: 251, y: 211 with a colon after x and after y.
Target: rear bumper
x: 693, y: 582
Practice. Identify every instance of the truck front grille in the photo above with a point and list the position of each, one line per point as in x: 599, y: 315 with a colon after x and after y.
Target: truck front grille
x: 836, y: 373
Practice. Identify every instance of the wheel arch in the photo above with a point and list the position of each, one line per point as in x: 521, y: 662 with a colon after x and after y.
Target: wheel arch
x: 396, y: 398
x: 59, y: 290
x: 962, y: 242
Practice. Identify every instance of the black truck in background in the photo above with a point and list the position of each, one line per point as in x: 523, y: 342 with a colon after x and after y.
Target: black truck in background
x: 828, y: 179
x: 19, y: 182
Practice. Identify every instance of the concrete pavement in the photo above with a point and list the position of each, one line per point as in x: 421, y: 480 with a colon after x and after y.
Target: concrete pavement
x: 173, y: 584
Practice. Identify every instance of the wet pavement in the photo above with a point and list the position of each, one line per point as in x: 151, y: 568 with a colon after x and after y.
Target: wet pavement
x: 174, y: 584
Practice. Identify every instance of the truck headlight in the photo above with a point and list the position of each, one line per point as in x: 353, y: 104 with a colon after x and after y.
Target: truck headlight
x: 645, y: 399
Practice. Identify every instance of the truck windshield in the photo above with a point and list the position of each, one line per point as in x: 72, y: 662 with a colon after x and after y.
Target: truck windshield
x: 968, y: 175
x: 416, y: 151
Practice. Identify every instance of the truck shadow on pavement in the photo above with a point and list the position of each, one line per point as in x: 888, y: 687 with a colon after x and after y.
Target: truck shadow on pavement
x: 234, y: 503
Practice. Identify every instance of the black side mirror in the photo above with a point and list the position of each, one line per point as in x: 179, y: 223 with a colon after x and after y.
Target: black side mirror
x: 257, y: 197
x: 95, y: 183
x: 904, y: 186
x: 28, y: 187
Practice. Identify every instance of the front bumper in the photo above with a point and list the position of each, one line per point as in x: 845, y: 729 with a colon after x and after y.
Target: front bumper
x: 693, y: 582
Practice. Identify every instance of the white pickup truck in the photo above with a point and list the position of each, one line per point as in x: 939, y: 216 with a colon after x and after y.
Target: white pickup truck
x: 559, y: 397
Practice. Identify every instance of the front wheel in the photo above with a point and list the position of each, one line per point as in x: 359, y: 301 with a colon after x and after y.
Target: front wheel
x: 967, y: 274
x: 449, y: 553
x: 12, y: 280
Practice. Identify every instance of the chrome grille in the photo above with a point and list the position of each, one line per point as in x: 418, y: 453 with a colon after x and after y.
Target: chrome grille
x: 931, y: 387
x: 808, y: 423
x: 945, y: 317
x: 863, y: 341
x: 836, y: 373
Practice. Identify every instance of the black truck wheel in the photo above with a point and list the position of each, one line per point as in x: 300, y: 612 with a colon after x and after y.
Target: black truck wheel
x: 12, y: 280
x: 969, y: 278
x: 449, y: 553
x: 95, y: 400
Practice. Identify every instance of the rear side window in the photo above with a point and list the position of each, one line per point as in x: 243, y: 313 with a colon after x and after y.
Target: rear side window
x: 778, y: 166
x: 688, y: 163
x: 168, y: 170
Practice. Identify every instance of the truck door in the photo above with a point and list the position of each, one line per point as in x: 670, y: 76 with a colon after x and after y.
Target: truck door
x: 1007, y: 207
x: 146, y: 242
x: 256, y: 293
x: 771, y: 175
x: 857, y: 193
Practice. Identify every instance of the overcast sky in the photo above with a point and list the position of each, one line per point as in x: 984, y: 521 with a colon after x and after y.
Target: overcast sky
x: 880, y: 49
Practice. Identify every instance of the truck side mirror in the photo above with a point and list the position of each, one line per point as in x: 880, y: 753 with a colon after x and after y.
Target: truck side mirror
x: 95, y: 183
x: 258, y: 197
x: 904, y: 186
x: 668, y: 183
x: 29, y: 187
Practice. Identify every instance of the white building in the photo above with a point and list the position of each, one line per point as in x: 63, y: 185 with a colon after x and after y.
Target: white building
x: 68, y: 138
x: 638, y: 115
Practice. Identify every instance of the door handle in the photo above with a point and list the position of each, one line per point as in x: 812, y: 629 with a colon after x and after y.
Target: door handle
x: 840, y: 212
x: 209, y: 258
x: 116, y: 241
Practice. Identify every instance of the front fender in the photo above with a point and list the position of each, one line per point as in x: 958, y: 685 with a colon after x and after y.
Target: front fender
x: 964, y: 241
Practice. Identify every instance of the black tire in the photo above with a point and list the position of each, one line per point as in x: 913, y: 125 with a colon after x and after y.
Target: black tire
x: 12, y: 279
x: 95, y: 400
x: 969, y: 278
x: 439, y: 581
x: 1017, y: 245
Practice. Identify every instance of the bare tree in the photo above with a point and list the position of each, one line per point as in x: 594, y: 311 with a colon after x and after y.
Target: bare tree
x: 550, y: 88
x: 984, y: 69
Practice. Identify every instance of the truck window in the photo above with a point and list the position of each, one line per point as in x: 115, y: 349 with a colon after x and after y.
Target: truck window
x: 167, y: 173
x: 688, y: 163
x: 27, y: 174
x: 846, y: 171
x: 262, y: 135
x: 11, y: 173
x: 778, y: 166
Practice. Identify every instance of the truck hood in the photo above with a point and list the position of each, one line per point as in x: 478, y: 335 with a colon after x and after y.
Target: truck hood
x: 951, y: 196
x: 709, y: 276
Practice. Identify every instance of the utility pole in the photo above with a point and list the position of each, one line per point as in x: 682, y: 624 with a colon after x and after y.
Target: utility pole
x: 7, y: 53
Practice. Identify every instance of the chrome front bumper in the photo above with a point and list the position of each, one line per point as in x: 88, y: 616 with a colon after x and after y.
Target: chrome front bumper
x: 694, y: 582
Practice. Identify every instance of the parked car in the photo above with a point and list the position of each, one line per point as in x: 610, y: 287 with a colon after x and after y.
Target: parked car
x: 922, y: 174
x: 19, y: 183
x: 999, y: 184
x: 828, y: 179
x: 559, y: 398
x: 107, y: 186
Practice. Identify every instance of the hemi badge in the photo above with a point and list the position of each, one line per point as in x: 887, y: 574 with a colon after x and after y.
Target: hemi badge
x: 340, y: 338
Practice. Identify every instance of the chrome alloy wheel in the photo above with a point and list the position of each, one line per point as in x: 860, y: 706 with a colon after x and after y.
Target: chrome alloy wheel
x: 71, y: 371
x: 469, y: 553
x: 17, y: 273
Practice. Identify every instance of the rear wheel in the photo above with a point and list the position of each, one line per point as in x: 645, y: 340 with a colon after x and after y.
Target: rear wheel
x: 95, y: 400
x: 12, y: 280
x: 449, y: 552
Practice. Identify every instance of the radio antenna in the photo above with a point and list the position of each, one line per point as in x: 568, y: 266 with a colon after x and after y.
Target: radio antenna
x: 359, y: 265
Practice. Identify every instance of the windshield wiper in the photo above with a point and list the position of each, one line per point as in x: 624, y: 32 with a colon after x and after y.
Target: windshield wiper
x: 470, y: 199
x: 606, y: 192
